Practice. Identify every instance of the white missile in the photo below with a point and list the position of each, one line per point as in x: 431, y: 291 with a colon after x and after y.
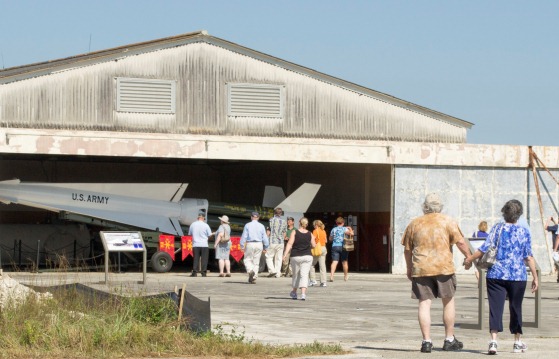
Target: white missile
x: 155, y: 206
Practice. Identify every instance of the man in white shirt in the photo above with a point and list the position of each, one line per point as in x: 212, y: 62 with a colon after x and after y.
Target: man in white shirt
x: 200, y: 231
x: 253, y: 241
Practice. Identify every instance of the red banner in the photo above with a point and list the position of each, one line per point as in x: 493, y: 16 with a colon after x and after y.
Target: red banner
x: 236, y: 251
x: 186, y: 246
x: 167, y: 244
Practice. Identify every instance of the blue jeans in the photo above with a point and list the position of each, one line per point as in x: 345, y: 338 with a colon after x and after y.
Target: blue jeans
x: 338, y: 254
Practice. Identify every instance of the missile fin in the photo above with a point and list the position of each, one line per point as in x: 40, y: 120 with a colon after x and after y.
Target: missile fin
x: 301, y: 199
x: 272, y: 196
x: 179, y: 193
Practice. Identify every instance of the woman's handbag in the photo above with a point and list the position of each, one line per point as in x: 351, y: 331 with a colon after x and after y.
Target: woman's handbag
x: 348, y: 243
x: 317, y: 250
x: 490, y: 256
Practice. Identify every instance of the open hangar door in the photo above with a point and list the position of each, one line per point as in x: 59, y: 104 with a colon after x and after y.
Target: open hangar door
x: 361, y: 192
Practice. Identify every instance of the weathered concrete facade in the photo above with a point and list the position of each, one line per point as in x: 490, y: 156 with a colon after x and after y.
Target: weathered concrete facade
x: 473, y: 180
x: 472, y: 194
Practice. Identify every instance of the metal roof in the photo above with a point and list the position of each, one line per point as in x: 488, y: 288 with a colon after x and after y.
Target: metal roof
x: 44, y: 68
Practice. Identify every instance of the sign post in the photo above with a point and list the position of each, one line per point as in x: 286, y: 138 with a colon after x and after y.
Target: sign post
x: 119, y: 241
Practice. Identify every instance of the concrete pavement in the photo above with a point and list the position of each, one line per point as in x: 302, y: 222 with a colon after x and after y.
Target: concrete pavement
x: 371, y: 314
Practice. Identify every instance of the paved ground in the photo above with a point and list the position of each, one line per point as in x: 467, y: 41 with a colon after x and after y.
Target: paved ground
x: 371, y: 314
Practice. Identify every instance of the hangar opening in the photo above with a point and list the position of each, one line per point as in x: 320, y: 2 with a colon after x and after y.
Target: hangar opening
x: 360, y: 193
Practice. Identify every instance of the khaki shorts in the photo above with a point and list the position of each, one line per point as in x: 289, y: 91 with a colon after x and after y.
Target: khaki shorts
x: 439, y: 286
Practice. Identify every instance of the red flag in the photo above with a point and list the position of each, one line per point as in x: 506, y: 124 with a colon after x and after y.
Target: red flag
x: 186, y: 246
x: 167, y: 244
x: 236, y: 251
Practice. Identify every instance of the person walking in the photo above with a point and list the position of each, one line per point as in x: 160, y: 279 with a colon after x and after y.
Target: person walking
x: 428, y: 242
x: 223, y: 246
x: 299, y: 249
x: 285, y: 267
x: 551, y: 226
x: 253, y: 242
x: 278, y: 229
x: 338, y: 252
x: 200, y: 231
x: 507, y: 277
x: 320, y: 236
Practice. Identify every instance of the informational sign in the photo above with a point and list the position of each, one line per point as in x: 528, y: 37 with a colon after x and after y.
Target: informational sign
x: 123, y: 241
x: 476, y: 242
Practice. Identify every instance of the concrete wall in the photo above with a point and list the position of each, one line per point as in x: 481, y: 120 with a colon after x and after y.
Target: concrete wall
x: 472, y: 194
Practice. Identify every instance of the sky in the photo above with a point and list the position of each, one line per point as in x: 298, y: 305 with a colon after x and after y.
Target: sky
x: 492, y: 63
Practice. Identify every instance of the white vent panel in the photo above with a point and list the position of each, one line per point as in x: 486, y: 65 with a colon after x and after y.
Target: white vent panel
x: 145, y: 95
x: 255, y: 100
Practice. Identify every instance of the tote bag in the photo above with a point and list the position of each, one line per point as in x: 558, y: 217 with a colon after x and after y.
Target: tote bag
x: 348, y: 245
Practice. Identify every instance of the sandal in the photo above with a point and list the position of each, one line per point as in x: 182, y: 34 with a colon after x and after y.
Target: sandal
x: 221, y: 275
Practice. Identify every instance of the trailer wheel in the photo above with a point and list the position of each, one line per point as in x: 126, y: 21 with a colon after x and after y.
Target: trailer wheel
x: 161, y: 262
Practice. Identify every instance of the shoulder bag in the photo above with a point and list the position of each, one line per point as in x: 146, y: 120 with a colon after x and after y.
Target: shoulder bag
x: 490, y: 256
x: 317, y: 250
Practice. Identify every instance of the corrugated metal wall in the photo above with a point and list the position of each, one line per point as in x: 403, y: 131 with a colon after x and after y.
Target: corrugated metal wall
x: 85, y: 98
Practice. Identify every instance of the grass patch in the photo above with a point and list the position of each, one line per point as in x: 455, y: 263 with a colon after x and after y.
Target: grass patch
x: 72, y: 325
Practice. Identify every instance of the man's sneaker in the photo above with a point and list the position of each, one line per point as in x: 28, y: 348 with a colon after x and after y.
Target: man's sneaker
x: 426, y: 347
x: 251, y: 276
x: 519, y: 347
x: 453, y: 345
x: 492, y: 348
x: 323, y: 285
x: 313, y: 283
x: 303, y: 297
x: 193, y: 274
x: 293, y: 295
x: 271, y: 275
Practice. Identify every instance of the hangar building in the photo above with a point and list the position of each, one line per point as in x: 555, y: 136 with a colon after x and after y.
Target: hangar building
x: 229, y: 120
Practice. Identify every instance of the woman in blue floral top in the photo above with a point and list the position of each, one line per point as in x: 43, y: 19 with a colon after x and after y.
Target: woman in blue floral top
x: 507, y: 277
x: 338, y: 252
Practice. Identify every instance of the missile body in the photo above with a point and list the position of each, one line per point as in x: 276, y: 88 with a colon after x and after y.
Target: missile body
x: 154, y: 206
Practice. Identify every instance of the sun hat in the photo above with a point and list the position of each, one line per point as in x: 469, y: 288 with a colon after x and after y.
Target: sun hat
x: 224, y: 219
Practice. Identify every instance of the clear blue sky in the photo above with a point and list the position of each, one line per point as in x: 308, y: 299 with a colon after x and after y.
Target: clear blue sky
x: 493, y: 63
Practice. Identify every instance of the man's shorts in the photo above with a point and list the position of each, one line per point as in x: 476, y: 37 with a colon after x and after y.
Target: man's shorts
x: 338, y: 254
x: 439, y: 286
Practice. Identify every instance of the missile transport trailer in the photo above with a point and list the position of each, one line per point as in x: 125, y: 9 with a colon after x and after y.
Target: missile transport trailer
x: 74, y: 242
